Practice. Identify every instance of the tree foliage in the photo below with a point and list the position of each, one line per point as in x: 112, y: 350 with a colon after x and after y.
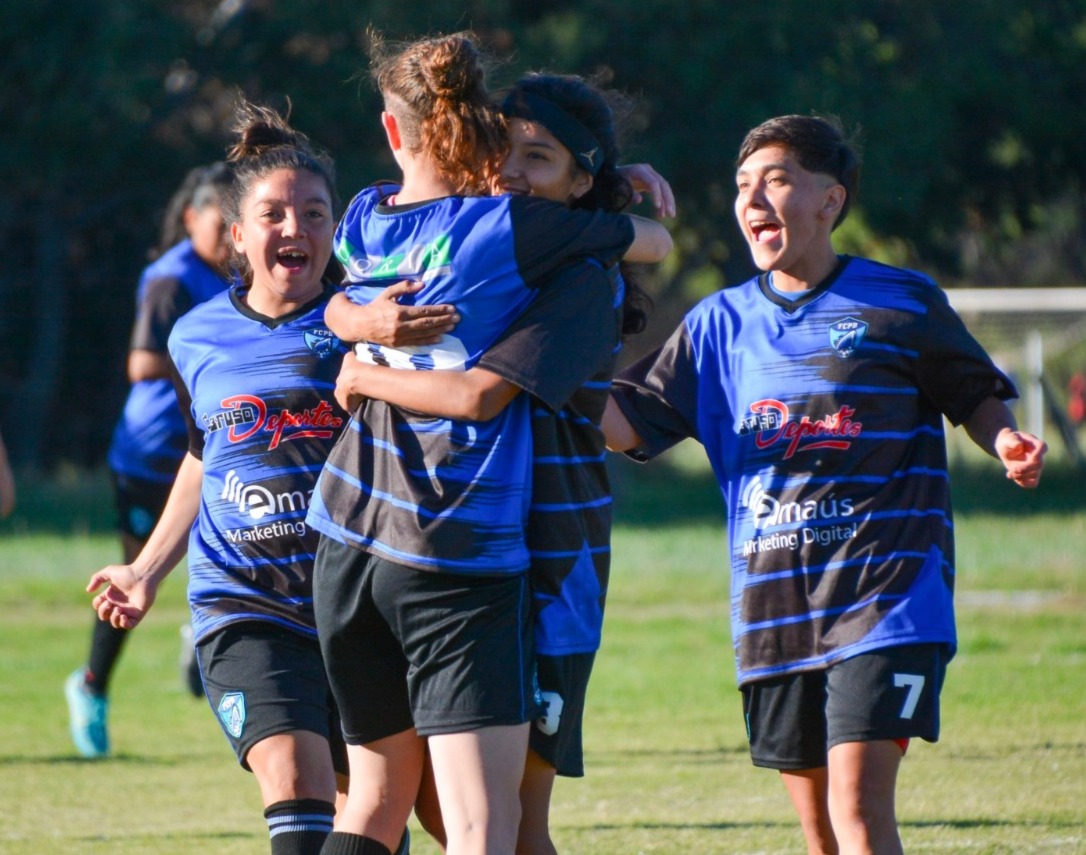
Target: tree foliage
x: 970, y: 115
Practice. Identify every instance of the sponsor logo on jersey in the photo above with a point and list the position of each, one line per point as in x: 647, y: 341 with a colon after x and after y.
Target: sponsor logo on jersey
x: 258, y: 501
x: 245, y: 415
x: 800, y: 518
x: 322, y: 342
x: 232, y: 713
x: 846, y: 336
x: 771, y: 423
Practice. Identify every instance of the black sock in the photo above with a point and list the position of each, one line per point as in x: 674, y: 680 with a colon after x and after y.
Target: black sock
x: 299, y: 826
x: 106, y: 644
x: 342, y: 843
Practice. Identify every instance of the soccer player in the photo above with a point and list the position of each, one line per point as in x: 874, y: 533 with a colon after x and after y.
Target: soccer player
x: 551, y: 119
x: 7, y: 483
x: 256, y: 370
x: 422, y: 602
x: 818, y: 389
x: 150, y: 438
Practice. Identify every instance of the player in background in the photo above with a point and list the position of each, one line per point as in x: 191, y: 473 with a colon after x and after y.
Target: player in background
x: 818, y: 389
x: 7, y: 483
x: 422, y: 556
x: 149, y: 440
x: 256, y: 369
x: 551, y: 118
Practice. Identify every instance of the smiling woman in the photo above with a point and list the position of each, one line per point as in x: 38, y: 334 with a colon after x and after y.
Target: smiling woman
x: 256, y: 368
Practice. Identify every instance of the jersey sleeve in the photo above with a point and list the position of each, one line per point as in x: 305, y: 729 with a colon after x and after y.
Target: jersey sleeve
x: 953, y: 370
x: 184, y: 404
x: 548, y: 234
x: 566, y: 336
x: 658, y: 394
x: 162, y: 302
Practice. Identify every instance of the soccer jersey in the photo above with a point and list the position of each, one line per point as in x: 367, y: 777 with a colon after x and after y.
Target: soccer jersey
x: 439, y: 494
x: 823, y: 420
x: 259, y: 394
x: 569, y: 522
x: 149, y: 440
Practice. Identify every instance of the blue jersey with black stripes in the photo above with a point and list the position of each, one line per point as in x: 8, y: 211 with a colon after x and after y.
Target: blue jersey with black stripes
x: 430, y: 493
x: 149, y: 439
x: 823, y: 420
x: 259, y: 395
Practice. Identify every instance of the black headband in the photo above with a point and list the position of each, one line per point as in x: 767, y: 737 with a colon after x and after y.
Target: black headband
x: 580, y: 141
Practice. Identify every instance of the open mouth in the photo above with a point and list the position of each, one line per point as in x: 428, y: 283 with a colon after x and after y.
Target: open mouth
x: 292, y: 259
x: 764, y: 231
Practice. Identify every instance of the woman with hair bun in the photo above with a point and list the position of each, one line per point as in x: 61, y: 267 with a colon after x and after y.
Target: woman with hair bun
x: 256, y: 370
x: 421, y: 587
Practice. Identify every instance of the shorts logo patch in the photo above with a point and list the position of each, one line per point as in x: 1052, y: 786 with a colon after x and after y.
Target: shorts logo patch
x: 551, y: 719
x: 232, y: 713
x: 846, y: 336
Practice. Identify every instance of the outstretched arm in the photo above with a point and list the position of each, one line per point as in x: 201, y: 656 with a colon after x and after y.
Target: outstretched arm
x: 474, y: 395
x: 131, y: 588
x: 7, y: 483
x: 386, y: 321
x: 992, y: 427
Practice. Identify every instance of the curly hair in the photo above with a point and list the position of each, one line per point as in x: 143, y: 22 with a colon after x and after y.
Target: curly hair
x: 436, y: 89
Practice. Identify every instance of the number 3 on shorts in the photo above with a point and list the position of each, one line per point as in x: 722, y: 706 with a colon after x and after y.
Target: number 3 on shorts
x: 915, y: 685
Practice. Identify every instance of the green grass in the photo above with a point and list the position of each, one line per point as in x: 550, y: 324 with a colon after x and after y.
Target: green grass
x: 667, y: 765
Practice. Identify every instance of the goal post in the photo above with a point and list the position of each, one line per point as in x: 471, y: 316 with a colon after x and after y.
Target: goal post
x: 1038, y: 335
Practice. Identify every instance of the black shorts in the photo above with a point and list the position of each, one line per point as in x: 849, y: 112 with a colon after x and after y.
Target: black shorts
x: 139, y: 504
x: 557, y: 734
x: 893, y: 693
x: 261, y: 680
x: 440, y: 652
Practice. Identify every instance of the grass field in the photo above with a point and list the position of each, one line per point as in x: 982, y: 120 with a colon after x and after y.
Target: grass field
x: 668, y: 770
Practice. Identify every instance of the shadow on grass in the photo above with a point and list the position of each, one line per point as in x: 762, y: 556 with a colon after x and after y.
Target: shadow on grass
x: 122, y: 759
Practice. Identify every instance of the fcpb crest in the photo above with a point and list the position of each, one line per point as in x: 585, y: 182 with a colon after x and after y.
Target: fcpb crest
x: 232, y: 713
x: 846, y: 336
x: 322, y: 342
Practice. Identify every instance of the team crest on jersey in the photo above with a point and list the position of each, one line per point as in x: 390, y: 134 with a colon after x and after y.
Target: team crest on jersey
x: 322, y: 342
x: 846, y: 336
x: 232, y: 713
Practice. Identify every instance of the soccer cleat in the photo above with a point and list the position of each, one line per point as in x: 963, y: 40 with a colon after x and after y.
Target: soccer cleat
x: 405, y: 844
x: 190, y: 666
x: 87, y: 714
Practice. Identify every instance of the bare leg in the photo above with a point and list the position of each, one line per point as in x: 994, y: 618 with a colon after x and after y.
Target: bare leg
x: 863, y: 779
x: 809, y: 791
x: 478, y: 775
x: 384, y: 785
x: 535, y: 803
x: 294, y: 765
x: 427, y: 808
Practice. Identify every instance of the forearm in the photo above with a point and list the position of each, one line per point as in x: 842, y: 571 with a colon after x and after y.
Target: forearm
x: 617, y: 430
x: 986, y: 423
x: 168, y: 542
x: 474, y: 395
x: 652, y: 242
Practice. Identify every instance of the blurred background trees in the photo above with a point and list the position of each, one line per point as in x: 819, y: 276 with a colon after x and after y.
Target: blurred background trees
x: 971, y: 115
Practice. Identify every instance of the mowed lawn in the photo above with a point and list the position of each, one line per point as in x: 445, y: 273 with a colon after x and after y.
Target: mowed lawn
x: 667, y: 765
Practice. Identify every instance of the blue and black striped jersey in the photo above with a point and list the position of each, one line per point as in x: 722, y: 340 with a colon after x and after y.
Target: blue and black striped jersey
x: 262, y: 418
x: 823, y: 420
x: 576, y: 323
x: 432, y: 493
x: 149, y: 439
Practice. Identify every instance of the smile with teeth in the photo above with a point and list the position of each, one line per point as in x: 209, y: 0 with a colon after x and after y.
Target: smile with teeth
x: 292, y: 258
